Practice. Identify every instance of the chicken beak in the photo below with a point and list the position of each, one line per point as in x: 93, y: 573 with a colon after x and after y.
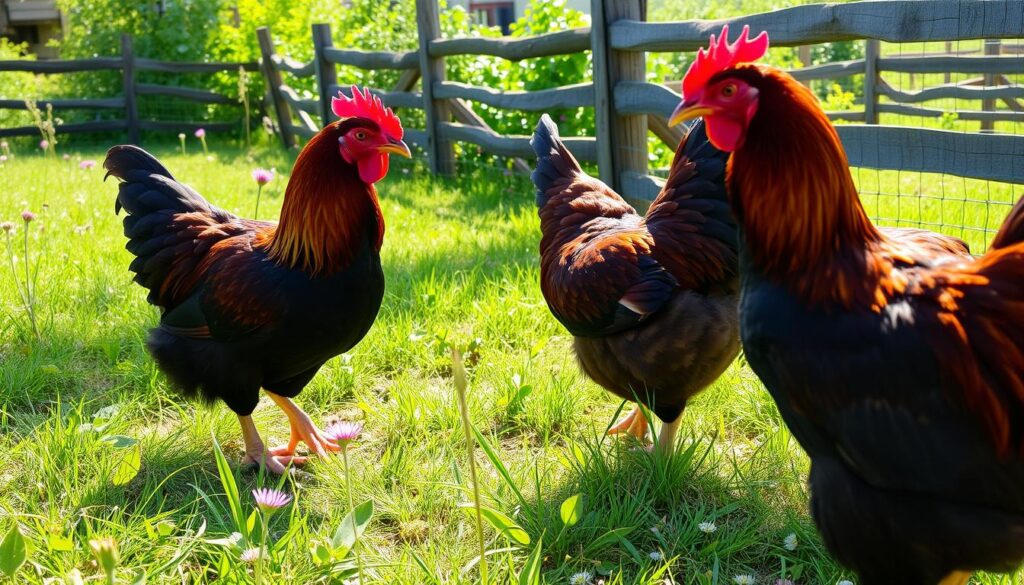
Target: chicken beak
x: 395, y: 147
x: 687, y: 111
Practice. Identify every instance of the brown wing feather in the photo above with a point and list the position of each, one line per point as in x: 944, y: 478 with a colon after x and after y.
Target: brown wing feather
x: 977, y: 310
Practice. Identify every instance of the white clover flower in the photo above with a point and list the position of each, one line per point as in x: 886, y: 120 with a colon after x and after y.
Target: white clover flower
x: 250, y: 555
x: 582, y: 578
x: 743, y: 580
x: 844, y: 582
x: 789, y: 542
x: 707, y: 527
x: 656, y: 556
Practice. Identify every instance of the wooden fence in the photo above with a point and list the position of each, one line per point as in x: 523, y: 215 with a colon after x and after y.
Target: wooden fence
x: 627, y: 106
x: 128, y: 102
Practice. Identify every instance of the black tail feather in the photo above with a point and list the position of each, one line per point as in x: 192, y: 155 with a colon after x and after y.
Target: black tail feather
x: 126, y: 157
x: 554, y: 161
x: 147, y: 186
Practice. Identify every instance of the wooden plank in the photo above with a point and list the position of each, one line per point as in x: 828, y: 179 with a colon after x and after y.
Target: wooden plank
x: 895, y: 21
x: 186, y: 93
x: 440, y: 154
x: 415, y: 136
x: 405, y: 83
x: 670, y: 136
x: 63, y: 104
x: 307, y: 122
x: 272, y: 77
x: 515, y: 49
x: 131, y: 106
x: 407, y: 80
x: 309, y: 106
x: 954, y: 64
x: 583, y: 148
x: 193, y: 67
x: 75, y: 128
x: 294, y: 67
x: 603, y: 92
x: 803, y: 54
x: 628, y: 131
x: 372, y: 59
x: 993, y: 157
x: 464, y: 114
x: 62, y: 65
x: 326, y: 73
x: 846, y: 116
x: 991, y: 47
x: 392, y: 99
x: 952, y: 91
x: 188, y: 127
x: 566, y: 97
x: 303, y: 131
x: 872, y: 49
x: 641, y: 97
x: 966, y: 115
x: 834, y: 70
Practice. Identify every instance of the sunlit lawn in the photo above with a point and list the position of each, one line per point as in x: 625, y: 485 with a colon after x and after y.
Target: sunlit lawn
x: 461, y: 264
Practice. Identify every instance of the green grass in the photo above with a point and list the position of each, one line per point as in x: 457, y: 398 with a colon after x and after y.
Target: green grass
x: 461, y: 264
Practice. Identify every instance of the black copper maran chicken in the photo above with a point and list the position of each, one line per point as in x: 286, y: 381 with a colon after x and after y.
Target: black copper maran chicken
x: 249, y: 304
x: 651, y: 300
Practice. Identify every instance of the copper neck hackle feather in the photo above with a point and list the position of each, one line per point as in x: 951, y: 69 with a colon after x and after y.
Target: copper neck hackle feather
x: 803, y: 221
x: 327, y: 208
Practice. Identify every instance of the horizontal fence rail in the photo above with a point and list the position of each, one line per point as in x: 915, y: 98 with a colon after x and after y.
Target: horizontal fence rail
x: 569, y: 96
x: 545, y: 45
x: 895, y: 21
x: 129, y: 66
x: 371, y: 59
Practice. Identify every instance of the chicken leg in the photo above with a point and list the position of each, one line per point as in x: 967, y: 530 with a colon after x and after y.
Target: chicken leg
x: 956, y: 578
x: 256, y: 452
x: 634, y: 423
x: 302, y: 429
x: 667, y: 435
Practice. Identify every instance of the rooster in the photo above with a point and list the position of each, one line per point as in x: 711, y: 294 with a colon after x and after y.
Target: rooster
x: 895, y: 357
x: 249, y: 304
x: 650, y: 300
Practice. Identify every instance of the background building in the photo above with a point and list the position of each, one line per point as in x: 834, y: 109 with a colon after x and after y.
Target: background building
x: 35, y: 22
x: 505, y: 12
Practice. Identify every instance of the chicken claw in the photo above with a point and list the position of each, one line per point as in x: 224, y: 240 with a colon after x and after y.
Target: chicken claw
x: 302, y: 429
x: 634, y: 423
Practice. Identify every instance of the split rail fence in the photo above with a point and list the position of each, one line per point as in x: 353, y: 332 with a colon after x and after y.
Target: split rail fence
x: 627, y: 106
x: 129, y: 65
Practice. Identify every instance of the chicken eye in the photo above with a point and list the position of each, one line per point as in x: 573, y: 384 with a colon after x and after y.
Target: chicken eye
x: 729, y: 90
x: 360, y: 135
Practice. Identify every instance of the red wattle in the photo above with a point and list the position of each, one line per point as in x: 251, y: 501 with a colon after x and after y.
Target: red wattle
x: 373, y: 168
x: 725, y: 134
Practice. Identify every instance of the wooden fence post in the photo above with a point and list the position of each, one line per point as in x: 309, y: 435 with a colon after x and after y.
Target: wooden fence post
x: 326, y: 72
x: 872, y: 48
x: 621, y: 140
x: 273, y: 79
x: 440, y: 153
x: 803, y: 53
x: 131, y: 106
x: 992, y: 47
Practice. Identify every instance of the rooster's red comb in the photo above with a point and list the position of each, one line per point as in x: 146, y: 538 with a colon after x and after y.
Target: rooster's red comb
x: 364, y: 104
x: 721, y: 55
